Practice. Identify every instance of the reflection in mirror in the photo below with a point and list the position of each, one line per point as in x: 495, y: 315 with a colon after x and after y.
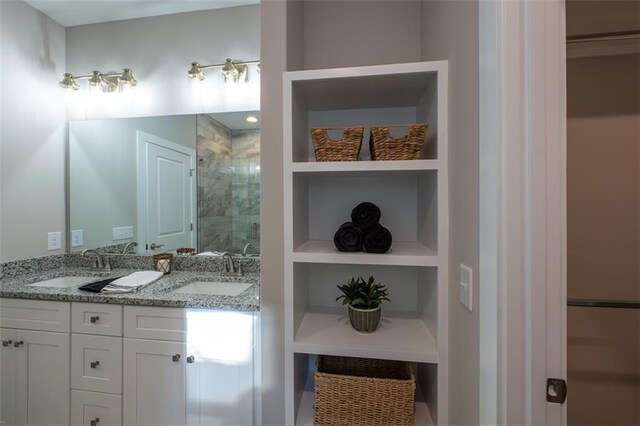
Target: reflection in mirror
x: 158, y: 184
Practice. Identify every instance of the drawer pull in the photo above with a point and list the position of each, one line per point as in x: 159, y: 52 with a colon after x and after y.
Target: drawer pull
x: 6, y: 343
x: 95, y: 364
x: 191, y: 359
x: 18, y: 344
x: 94, y: 319
x: 175, y: 358
x: 95, y: 421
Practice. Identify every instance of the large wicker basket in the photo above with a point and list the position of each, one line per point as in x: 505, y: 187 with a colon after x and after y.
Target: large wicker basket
x: 361, y: 391
x: 385, y: 147
x: 345, y: 149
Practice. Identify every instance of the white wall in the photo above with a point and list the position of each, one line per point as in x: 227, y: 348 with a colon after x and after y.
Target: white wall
x: 160, y: 50
x: 33, y: 130
x: 450, y: 31
x: 102, y: 171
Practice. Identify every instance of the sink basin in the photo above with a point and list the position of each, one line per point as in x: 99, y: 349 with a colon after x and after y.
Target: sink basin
x: 213, y: 288
x: 63, y: 282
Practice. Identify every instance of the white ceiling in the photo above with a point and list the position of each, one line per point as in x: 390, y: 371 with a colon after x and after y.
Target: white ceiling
x: 237, y: 120
x: 70, y: 13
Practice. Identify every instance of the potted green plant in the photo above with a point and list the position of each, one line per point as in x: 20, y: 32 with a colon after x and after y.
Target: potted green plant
x: 364, y: 300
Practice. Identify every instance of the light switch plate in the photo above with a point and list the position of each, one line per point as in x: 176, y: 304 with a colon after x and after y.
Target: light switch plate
x: 466, y: 286
x: 54, y: 240
x: 77, y: 238
x: 122, y: 233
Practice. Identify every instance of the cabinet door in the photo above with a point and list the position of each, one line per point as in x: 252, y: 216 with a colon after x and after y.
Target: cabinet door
x: 7, y: 377
x: 219, y: 393
x: 153, y: 383
x: 220, y: 368
x: 42, y: 378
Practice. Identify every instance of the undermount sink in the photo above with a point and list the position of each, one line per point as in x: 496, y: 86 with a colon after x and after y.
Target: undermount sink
x: 213, y: 288
x: 63, y: 282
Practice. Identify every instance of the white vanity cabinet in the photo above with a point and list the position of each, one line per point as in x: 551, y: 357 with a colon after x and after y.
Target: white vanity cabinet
x: 187, y: 367
x: 34, y: 363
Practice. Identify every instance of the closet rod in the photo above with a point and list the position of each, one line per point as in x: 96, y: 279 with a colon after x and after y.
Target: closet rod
x: 603, y: 304
x: 613, y: 36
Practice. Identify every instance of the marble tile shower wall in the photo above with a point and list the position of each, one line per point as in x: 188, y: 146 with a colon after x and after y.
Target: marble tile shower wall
x: 215, y: 175
x: 228, y: 187
x: 246, y: 190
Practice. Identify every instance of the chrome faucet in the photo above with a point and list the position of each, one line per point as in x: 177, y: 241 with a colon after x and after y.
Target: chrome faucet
x: 230, y: 269
x: 129, y: 244
x: 101, y: 263
x: 246, y: 247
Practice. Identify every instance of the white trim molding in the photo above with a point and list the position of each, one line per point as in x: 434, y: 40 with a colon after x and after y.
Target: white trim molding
x: 522, y: 210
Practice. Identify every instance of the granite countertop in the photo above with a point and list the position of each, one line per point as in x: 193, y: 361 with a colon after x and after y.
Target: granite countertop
x: 158, y: 293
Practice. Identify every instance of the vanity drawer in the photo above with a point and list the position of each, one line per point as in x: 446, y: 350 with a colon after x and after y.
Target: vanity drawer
x: 96, y: 363
x: 35, y: 315
x: 96, y: 318
x: 155, y: 323
x: 95, y: 409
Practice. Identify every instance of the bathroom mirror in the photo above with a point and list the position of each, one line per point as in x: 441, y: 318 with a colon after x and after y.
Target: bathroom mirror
x: 165, y: 183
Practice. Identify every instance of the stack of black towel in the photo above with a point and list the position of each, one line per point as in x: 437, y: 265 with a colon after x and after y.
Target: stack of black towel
x: 364, y: 232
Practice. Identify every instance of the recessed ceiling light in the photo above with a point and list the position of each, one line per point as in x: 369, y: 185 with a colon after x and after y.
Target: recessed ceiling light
x: 252, y: 119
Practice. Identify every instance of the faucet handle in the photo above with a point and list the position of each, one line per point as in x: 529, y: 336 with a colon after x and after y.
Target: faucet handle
x: 240, y: 271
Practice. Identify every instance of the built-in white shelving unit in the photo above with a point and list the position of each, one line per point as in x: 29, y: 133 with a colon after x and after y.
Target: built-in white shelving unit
x: 413, y: 198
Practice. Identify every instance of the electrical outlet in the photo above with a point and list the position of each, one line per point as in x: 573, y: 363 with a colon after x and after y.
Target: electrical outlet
x: 466, y: 286
x: 77, y: 238
x: 54, y: 241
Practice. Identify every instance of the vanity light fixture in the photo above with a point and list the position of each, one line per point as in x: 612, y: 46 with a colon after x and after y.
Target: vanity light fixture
x: 110, y: 82
x: 234, y: 71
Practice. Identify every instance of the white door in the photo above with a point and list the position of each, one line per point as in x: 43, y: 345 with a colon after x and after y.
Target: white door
x: 153, y: 383
x: 42, y: 384
x: 166, y: 194
x: 7, y: 377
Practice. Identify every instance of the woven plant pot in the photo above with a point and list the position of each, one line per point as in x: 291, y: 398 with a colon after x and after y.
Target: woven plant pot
x: 365, y: 320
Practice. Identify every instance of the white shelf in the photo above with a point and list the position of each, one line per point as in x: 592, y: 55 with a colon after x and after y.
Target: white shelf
x: 403, y: 339
x: 413, y: 196
x: 422, y: 416
x: 401, y: 254
x: 365, y: 167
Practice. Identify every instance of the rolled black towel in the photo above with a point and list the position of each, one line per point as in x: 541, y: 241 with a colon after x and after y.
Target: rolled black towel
x: 365, y: 215
x: 348, y: 237
x: 377, y: 240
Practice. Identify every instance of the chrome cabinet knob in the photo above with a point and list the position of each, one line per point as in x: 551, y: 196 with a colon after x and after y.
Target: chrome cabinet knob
x: 175, y: 358
x: 95, y: 421
x: 154, y: 246
x: 94, y: 364
x: 94, y: 319
x: 18, y: 344
x: 6, y: 343
x: 191, y: 359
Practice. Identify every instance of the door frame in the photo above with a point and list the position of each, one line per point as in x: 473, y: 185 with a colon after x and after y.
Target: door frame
x: 523, y: 258
x: 141, y: 181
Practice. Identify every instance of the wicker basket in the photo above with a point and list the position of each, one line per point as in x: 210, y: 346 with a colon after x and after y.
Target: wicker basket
x: 345, y: 149
x: 162, y: 262
x: 385, y: 147
x: 361, y: 391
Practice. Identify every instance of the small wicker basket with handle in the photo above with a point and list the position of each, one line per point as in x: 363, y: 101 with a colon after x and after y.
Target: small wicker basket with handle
x: 385, y: 147
x: 345, y: 149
